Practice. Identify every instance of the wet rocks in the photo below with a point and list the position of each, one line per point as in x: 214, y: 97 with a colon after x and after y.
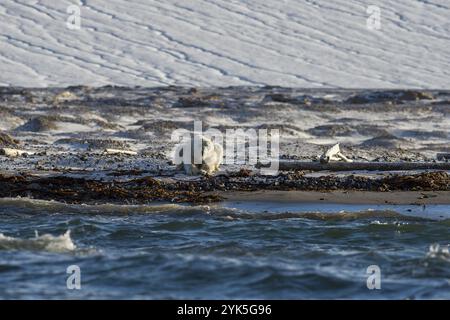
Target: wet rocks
x: 295, y: 99
x: 39, y: 124
x: 5, y: 112
x: 443, y: 156
x: 16, y: 95
x: 427, y: 181
x: 396, y: 96
x: 199, y: 102
x: 415, y: 95
x: 279, y: 97
x: 94, y: 144
x: 339, y: 129
x: 166, y: 127
x: 387, y: 141
x: 331, y: 130
x: 426, y: 135
x: 7, y: 141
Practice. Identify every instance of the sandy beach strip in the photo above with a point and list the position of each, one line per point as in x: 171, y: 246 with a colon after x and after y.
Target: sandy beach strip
x: 341, y: 197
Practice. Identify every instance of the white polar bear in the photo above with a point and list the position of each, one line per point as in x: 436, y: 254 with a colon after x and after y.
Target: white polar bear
x: 211, y: 156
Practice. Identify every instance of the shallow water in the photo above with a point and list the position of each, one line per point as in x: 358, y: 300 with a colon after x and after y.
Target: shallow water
x: 223, y: 251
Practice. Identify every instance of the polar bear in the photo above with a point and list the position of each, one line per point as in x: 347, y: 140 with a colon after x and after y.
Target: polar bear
x: 211, y: 156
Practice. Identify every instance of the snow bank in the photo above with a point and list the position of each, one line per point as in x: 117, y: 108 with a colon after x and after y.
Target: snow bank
x: 308, y: 43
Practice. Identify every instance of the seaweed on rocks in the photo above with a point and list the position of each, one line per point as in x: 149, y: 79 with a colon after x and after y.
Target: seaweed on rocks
x: 82, y: 190
x: 207, y: 189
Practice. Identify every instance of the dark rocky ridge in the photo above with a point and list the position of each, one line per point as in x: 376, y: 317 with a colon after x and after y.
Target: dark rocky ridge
x: 207, y: 189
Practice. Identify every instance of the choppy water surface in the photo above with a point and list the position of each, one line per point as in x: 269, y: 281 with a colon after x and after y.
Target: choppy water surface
x: 232, y: 251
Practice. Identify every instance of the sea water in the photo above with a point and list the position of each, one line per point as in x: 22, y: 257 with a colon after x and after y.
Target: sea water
x: 229, y: 251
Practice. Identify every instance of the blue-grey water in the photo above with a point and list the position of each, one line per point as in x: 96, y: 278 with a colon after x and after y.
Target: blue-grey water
x: 228, y: 251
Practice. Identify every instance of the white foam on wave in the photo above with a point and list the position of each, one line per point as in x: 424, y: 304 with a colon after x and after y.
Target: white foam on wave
x: 45, y: 242
x: 437, y: 251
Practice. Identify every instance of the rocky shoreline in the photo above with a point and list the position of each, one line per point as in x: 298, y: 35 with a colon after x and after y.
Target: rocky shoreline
x: 113, y: 144
x: 147, y: 189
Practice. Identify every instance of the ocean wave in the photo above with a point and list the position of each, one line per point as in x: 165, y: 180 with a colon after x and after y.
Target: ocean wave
x: 45, y: 242
x: 220, y: 211
x: 341, y: 215
x: 28, y: 205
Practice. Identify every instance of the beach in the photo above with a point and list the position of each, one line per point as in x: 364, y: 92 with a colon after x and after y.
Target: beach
x: 87, y: 179
x: 124, y: 137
